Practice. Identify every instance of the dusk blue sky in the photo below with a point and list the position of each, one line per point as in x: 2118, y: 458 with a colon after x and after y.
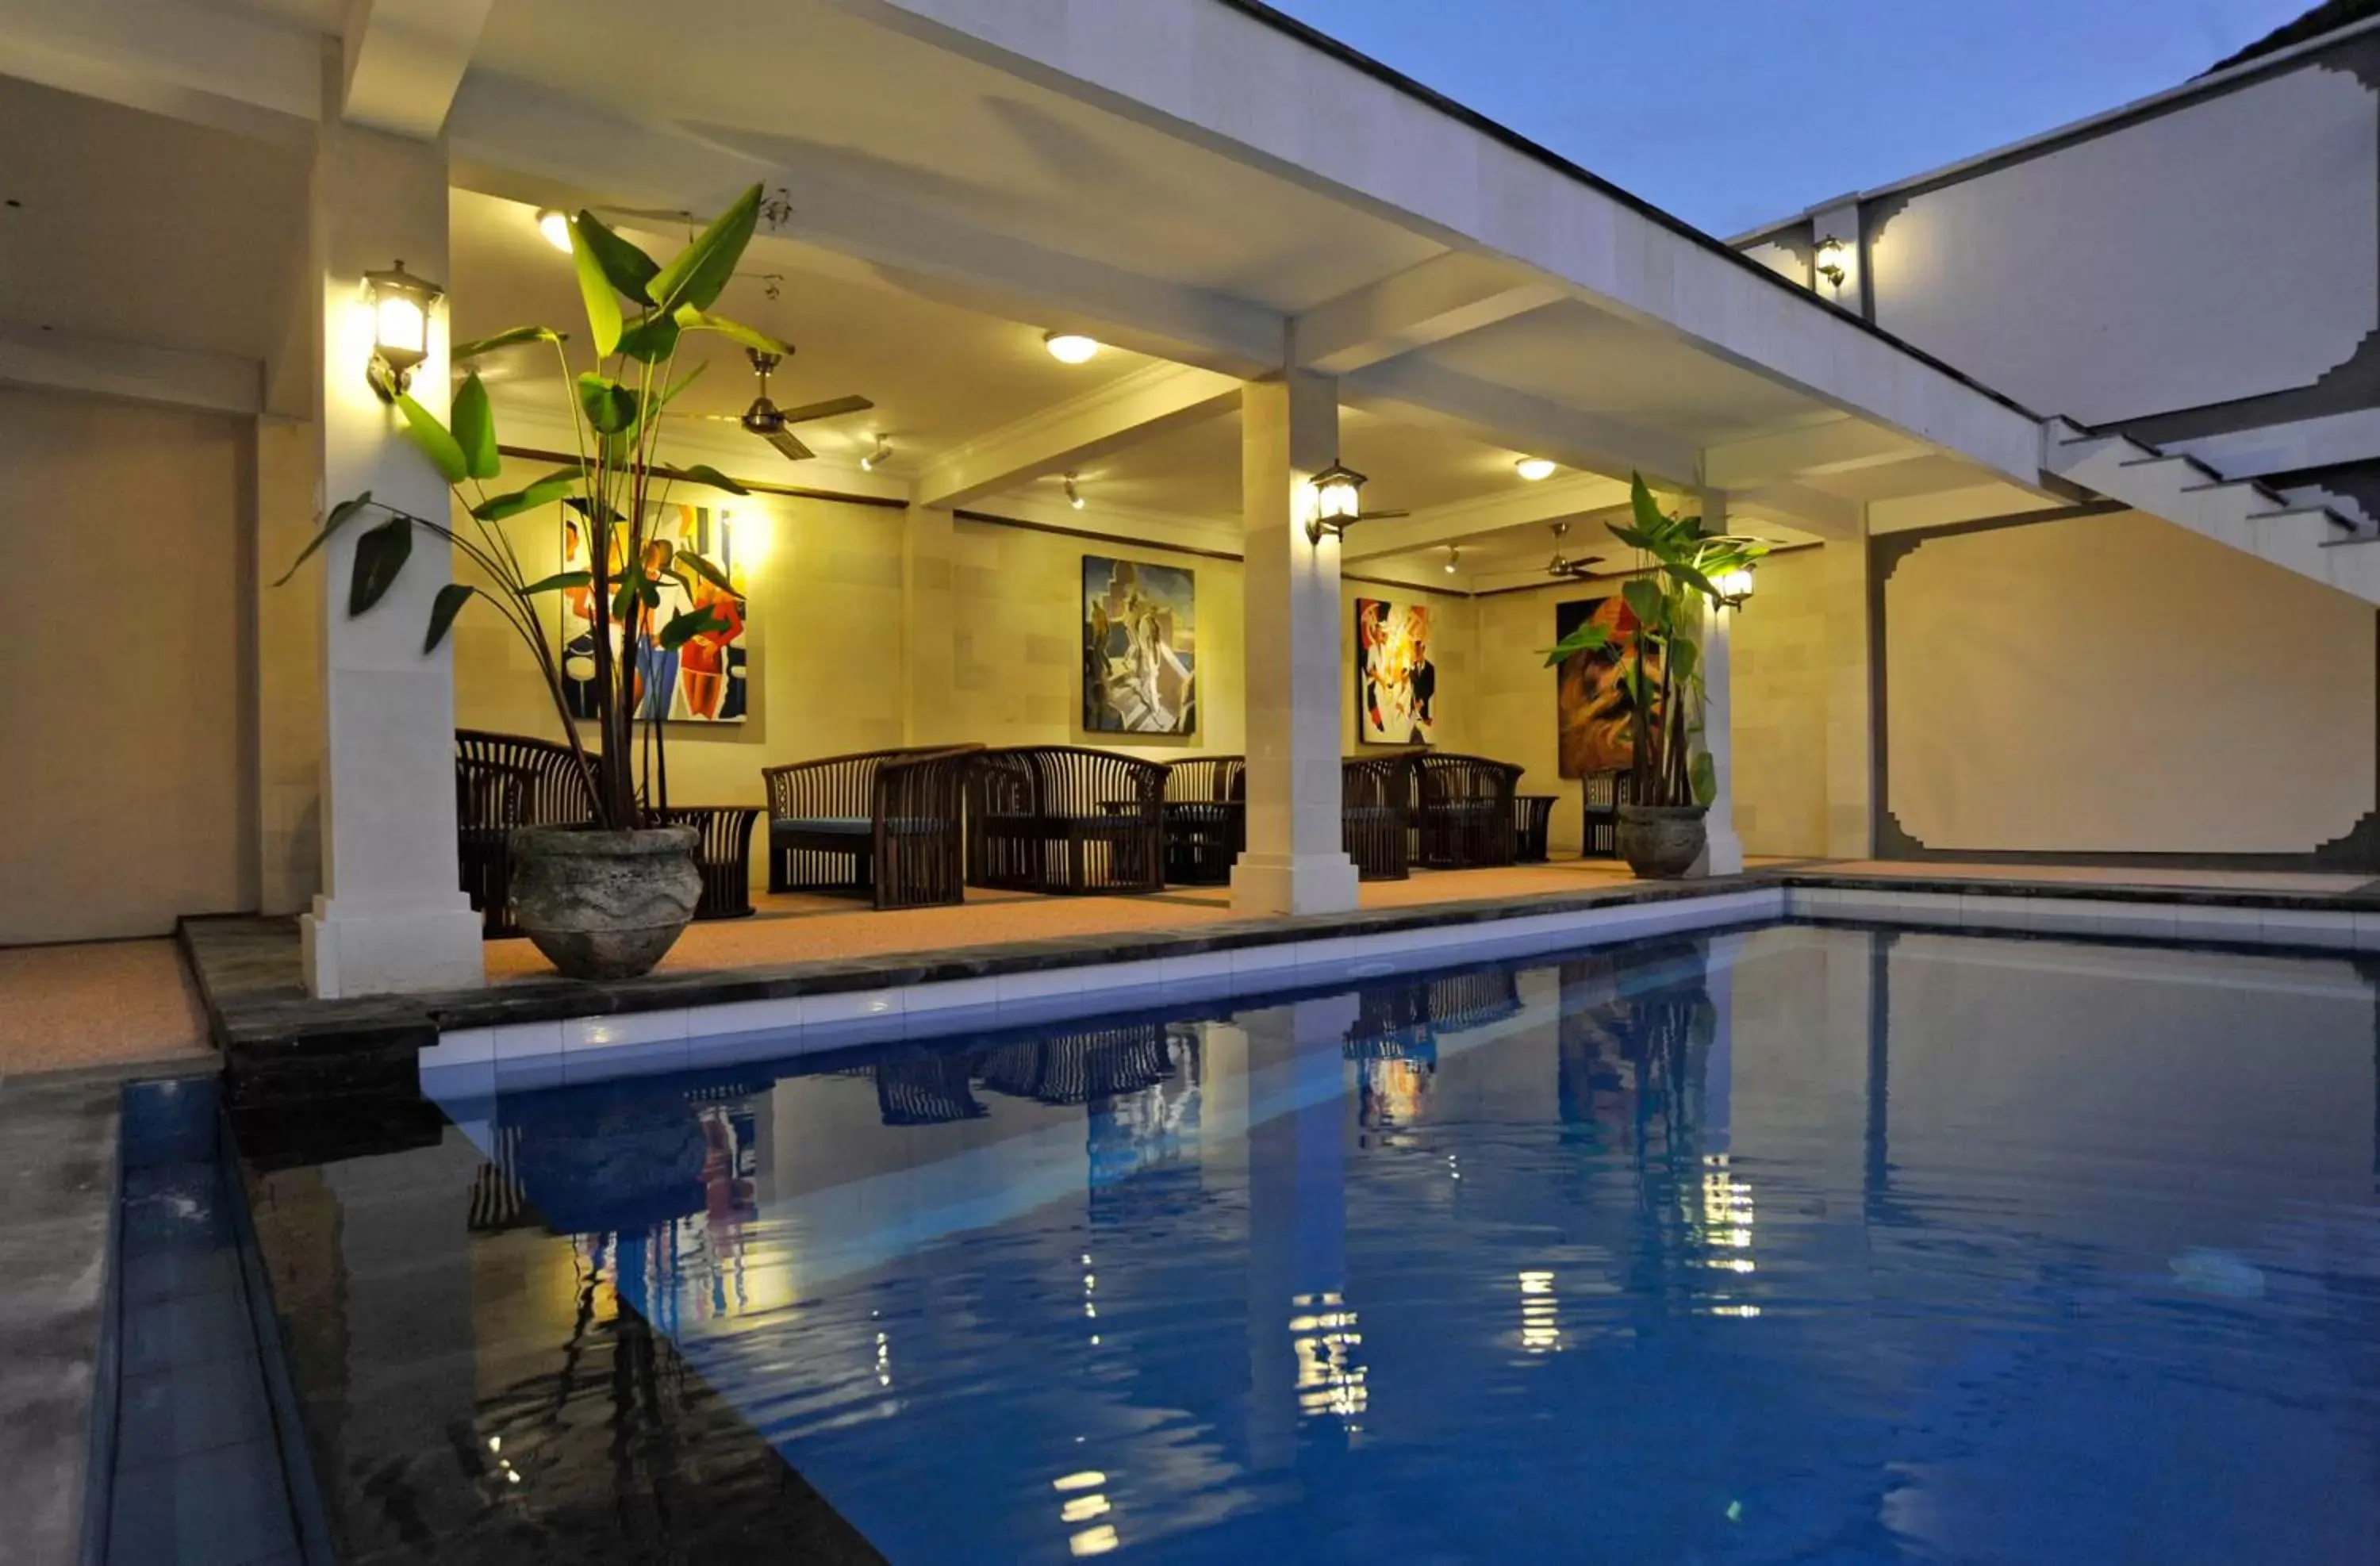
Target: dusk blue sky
x: 1730, y: 112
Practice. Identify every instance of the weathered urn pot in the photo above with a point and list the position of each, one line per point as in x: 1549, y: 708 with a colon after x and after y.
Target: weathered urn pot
x: 1661, y: 842
x: 601, y: 903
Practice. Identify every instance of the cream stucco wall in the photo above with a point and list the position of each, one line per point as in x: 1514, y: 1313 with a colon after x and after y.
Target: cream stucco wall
x: 128, y: 712
x: 2117, y: 684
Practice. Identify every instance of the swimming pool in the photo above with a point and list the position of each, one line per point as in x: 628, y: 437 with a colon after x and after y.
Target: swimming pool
x: 1797, y: 1244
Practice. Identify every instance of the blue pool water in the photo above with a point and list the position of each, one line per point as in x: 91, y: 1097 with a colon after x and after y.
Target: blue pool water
x: 1799, y: 1245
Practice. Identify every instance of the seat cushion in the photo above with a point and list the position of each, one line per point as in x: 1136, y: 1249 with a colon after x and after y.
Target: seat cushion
x: 820, y: 826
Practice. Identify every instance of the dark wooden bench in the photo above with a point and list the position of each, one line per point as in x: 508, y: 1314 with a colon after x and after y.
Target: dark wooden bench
x: 504, y: 782
x: 1376, y: 796
x: 1065, y: 819
x: 1206, y: 819
x: 884, y: 824
x: 1463, y: 811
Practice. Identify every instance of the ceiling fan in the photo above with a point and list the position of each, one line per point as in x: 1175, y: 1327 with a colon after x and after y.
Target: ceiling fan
x: 773, y: 424
x: 1562, y: 565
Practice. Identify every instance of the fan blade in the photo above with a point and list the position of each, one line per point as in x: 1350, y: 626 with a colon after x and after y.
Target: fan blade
x: 791, y: 449
x: 1381, y: 516
x: 831, y: 408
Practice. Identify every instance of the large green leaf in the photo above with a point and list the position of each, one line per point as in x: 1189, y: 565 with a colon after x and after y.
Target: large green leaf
x: 585, y: 507
x: 475, y: 429
x: 686, y: 625
x: 704, y: 568
x: 1644, y: 600
x: 1705, y: 779
x: 338, y: 516
x: 554, y: 486
x: 436, y: 441
x: 1592, y: 636
x: 557, y: 582
x: 703, y: 473
x: 609, y: 407
x: 694, y: 319
x: 702, y: 269
x: 653, y: 339
x: 504, y: 339
x: 626, y: 268
x: 381, y: 555
x: 1684, y: 659
x: 595, y: 292
x: 449, y: 603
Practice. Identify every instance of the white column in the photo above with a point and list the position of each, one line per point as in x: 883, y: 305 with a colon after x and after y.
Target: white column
x: 1724, y: 855
x: 1296, y: 862
x: 391, y: 916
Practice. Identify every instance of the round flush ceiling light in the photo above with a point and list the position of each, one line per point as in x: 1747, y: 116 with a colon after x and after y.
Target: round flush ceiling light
x: 556, y: 226
x: 1535, y: 468
x: 1071, y: 347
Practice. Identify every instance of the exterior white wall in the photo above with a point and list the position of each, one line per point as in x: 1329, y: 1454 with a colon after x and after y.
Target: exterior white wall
x: 2227, y: 247
x: 2115, y: 684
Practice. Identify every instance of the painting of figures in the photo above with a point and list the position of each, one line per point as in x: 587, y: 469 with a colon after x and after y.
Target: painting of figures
x: 1140, y: 648
x: 703, y: 681
x: 1593, y: 702
x: 1396, y: 684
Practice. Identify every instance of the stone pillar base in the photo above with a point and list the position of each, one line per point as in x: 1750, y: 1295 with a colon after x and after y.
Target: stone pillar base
x: 1293, y: 883
x: 1722, y: 855
x: 376, y: 950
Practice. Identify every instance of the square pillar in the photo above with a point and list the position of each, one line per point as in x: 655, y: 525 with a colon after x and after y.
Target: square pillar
x: 1296, y: 862
x: 1724, y: 855
x: 1844, y: 567
x: 392, y: 914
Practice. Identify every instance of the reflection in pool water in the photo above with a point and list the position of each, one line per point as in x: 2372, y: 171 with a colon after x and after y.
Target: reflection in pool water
x: 1798, y: 1244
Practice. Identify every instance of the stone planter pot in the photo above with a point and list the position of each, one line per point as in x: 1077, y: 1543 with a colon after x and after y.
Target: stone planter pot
x: 604, y: 904
x: 1661, y: 842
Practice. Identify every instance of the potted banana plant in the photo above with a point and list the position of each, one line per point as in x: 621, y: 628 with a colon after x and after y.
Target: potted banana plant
x: 1672, y: 777
x: 608, y: 899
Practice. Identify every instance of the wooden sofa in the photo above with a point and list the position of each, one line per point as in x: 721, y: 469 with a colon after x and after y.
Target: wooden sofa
x: 882, y: 824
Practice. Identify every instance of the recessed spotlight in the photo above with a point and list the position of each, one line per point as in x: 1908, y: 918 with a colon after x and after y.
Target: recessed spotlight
x: 1073, y: 495
x: 1535, y: 468
x: 877, y: 459
x: 1071, y: 347
x: 555, y: 224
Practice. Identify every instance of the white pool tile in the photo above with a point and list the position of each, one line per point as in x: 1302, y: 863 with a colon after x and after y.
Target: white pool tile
x: 950, y: 993
x: 2310, y: 927
x: 835, y: 1007
x: 528, y: 1041
x: 2367, y: 931
x: 781, y: 1014
x: 462, y: 1047
x: 633, y: 1028
x: 1149, y: 973
x: 2206, y: 922
x: 1010, y: 988
x: 2152, y: 920
x: 1275, y: 959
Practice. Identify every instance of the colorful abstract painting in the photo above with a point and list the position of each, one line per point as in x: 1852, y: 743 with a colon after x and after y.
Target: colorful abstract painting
x: 703, y: 681
x: 1396, y: 684
x: 1593, y: 702
x: 1140, y: 648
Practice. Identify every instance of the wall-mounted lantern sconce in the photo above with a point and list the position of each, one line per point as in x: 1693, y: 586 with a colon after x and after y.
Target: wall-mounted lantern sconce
x: 1735, y: 587
x: 400, y: 307
x: 1834, y: 260
x: 1337, y: 499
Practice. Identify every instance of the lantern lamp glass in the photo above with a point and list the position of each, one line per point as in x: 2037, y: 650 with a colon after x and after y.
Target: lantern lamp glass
x: 1735, y: 587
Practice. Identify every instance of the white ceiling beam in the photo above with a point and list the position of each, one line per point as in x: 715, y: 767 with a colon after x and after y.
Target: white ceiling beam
x: 1161, y: 529
x: 1442, y: 298
x: 1554, y: 500
x: 513, y: 139
x: 230, y: 69
x: 405, y: 58
x: 1838, y: 445
x: 1481, y: 410
x: 62, y: 362
x: 1815, y: 511
x: 1148, y: 403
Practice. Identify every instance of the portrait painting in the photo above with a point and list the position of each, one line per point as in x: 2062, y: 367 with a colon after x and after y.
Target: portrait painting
x: 1140, y: 648
x: 1396, y: 683
x: 703, y: 681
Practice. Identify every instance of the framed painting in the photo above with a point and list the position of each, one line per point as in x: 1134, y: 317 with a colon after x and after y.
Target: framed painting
x: 1140, y: 648
x: 704, y: 681
x: 1396, y: 683
x: 1592, y: 700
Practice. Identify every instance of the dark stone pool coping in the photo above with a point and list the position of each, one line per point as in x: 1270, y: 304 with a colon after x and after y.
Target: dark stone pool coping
x: 247, y: 969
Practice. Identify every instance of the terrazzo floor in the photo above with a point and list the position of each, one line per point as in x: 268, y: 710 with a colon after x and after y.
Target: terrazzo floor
x: 101, y: 1004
